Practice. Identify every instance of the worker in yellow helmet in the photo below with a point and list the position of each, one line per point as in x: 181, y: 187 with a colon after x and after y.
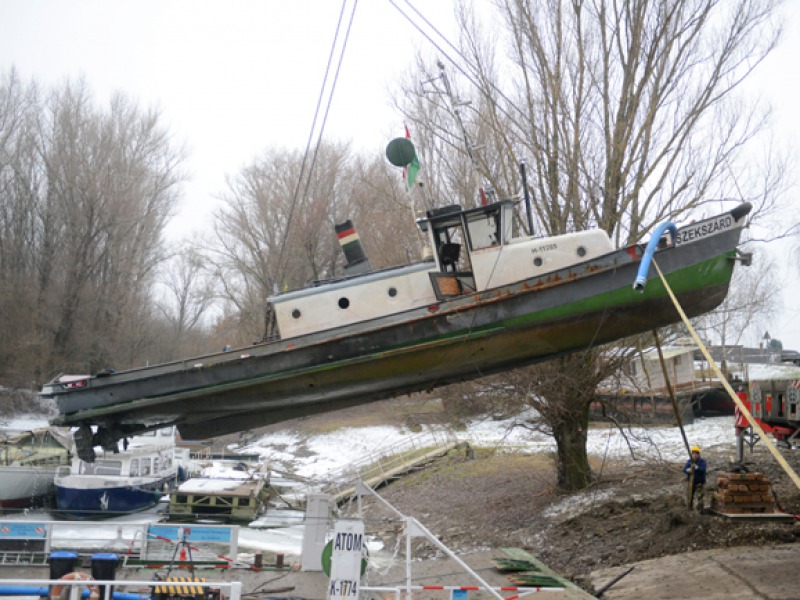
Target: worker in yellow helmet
x: 695, y: 470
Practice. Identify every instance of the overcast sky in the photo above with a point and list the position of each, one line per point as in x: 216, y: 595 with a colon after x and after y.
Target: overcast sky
x: 235, y: 76
x: 231, y: 76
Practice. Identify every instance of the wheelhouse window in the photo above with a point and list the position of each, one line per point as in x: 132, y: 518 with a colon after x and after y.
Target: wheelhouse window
x: 102, y: 467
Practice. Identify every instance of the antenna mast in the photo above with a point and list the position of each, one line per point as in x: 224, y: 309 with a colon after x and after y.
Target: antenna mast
x: 456, y: 106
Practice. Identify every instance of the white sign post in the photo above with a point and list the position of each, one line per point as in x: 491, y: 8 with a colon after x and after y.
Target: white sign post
x: 314, y: 531
x: 348, y: 541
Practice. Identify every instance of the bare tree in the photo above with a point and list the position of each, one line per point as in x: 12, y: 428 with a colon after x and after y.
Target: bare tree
x: 85, y: 193
x: 112, y: 182
x: 19, y: 185
x: 751, y: 303
x: 189, y: 296
x: 628, y: 115
x: 276, y: 231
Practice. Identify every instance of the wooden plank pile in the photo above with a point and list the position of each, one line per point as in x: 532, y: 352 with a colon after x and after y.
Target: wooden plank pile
x: 743, y: 493
x: 526, y: 573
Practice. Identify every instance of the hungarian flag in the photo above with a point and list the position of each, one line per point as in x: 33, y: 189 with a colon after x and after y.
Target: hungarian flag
x: 410, y: 172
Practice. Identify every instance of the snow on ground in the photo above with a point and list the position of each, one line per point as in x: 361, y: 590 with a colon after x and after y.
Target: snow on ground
x: 317, y: 456
x: 323, y: 454
x: 664, y: 443
x: 22, y: 423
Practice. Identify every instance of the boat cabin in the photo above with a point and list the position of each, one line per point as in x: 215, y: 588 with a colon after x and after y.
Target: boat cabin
x: 475, y: 250
x: 149, y: 455
x: 229, y: 499
x: 38, y: 448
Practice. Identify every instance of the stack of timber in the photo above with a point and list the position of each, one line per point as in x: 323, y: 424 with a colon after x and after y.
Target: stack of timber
x: 525, y: 573
x: 525, y: 570
x: 744, y: 494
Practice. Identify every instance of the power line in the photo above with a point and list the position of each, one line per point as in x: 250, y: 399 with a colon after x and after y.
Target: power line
x: 306, y: 174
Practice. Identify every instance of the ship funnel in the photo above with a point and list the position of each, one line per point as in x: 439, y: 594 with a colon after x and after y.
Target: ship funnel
x: 357, y: 261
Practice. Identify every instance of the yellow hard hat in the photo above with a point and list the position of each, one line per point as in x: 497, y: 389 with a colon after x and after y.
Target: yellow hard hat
x: 695, y: 448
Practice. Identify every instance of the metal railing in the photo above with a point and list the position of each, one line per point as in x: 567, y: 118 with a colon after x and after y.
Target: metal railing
x: 41, y: 587
x: 385, y: 462
x: 145, y: 541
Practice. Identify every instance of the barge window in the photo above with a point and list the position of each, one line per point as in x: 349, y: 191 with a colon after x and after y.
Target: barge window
x: 134, y: 467
x: 155, y: 465
x: 145, y: 466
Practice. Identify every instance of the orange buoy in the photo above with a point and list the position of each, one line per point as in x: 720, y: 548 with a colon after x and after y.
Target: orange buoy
x: 62, y: 592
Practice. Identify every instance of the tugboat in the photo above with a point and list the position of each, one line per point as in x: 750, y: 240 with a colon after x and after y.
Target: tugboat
x: 486, y: 301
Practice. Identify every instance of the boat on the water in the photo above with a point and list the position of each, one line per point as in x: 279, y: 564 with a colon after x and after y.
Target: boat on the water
x: 28, y: 463
x: 115, y: 484
x: 484, y: 300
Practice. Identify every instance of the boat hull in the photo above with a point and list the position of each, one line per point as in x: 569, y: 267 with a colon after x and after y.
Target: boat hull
x: 80, y: 499
x: 457, y: 339
x: 445, y: 361
x: 26, y: 487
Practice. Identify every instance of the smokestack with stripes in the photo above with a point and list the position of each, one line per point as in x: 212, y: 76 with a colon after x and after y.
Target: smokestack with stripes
x: 357, y: 261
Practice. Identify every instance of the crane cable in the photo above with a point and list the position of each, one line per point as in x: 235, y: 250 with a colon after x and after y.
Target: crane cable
x: 309, y: 142
x: 738, y: 401
x: 269, y: 315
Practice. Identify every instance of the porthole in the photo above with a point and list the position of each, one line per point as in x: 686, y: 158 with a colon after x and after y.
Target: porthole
x: 392, y: 292
x: 344, y: 303
x: 581, y: 251
x: 296, y: 313
x: 538, y: 261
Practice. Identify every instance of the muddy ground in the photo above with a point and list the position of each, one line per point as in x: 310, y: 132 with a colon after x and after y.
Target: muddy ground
x: 490, y: 499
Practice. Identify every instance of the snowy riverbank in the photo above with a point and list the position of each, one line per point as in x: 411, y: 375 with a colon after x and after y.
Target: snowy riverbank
x: 318, y: 456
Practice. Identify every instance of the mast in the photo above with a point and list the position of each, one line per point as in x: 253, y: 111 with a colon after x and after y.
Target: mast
x: 456, y: 106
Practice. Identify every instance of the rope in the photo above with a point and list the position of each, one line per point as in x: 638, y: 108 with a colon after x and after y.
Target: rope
x: 738, y: 401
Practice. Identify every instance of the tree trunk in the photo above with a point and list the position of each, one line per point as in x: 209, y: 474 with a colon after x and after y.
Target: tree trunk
x: 572, y: 467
